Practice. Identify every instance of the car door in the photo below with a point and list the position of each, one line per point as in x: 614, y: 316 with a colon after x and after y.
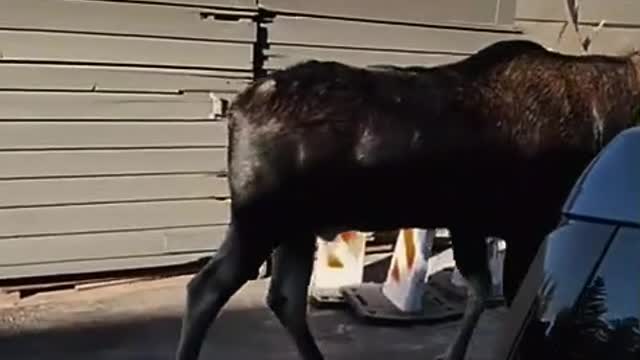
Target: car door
x: 581, y: 296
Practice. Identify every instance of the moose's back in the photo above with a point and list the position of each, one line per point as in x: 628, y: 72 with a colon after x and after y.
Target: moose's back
x: 504, y: 131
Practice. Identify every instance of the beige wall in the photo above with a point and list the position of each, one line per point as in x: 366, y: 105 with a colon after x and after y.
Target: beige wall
x: 431, y: 32
x: 544, y: 19
x: 110, y: 150
x: 111, y: 155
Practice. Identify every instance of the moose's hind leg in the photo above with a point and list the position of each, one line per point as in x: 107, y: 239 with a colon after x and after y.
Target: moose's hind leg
x: 287, y: 297
x: 470, y: 254
x: 237, y: 261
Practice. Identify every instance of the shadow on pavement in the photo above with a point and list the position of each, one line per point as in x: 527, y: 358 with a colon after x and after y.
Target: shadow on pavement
x: 143, y: 324
x: 244, y: 334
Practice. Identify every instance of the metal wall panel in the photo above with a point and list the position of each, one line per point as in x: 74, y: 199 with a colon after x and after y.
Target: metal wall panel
x: 407, y: 11
x: 91, y: 105
x: 280, y: 56
x: 28, y: 164
x: 103, y: 49
x: 122, y: 18
x: 296, y: 39
x: 76, y: 219
x: 615, y: 12
x: 615, y: 40
x: 52, y: 135
x: 287, y: 30
x: 80, y: 266
x: 545, y: 19
x: 221, y: 4
x: 110, y: 147
x: 607, y: 41
x: 117, y: 160
x: 98, y: 246
x: 118, y: 78
x: 110, y: 189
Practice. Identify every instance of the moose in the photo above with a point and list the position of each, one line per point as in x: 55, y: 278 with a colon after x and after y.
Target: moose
x: 486, y: 146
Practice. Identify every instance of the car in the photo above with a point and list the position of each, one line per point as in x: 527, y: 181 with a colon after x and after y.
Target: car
x: 581, y: 296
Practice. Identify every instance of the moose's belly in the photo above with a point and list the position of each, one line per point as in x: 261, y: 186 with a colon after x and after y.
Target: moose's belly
x: 393, y: 198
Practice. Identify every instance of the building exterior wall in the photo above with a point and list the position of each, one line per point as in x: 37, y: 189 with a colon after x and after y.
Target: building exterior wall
x: 112, y: 155
x: 434, y: 32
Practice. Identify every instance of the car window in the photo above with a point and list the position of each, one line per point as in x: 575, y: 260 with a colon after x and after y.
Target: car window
x: 606, y: 317
x: 605, y: 189
x: 566, y: 263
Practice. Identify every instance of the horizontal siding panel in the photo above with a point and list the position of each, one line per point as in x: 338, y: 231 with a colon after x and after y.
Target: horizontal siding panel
x: 65, y: 77
x: 77, y: 134
x: 69, y: 106
x: 506, y: 12
x: 409, y: 11
x: 25, y: 164
x: 203, y: 239
x: 611, y: 41
x: 37, y: 192
x: 613, y: 11
x: 548, y: 34
x: 111, y: 217
x: 45, y: 47
x: 608, y: 40
x: 243, y: 4
x: 543, y: 10
x: 614, y: 40
x: 20, y: 251
x: 120, y: 18
x: 330, y: 32
x: 91, y: 266
x: 280, y: 56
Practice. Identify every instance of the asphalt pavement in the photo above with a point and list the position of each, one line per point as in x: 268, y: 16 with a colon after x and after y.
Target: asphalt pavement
x: 141, y: 321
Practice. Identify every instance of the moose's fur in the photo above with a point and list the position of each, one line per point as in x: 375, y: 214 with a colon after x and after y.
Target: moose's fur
x: 487, y: 146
